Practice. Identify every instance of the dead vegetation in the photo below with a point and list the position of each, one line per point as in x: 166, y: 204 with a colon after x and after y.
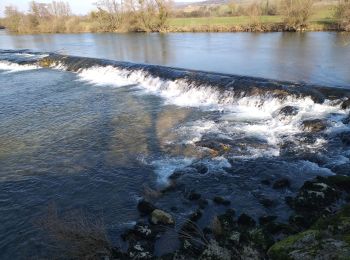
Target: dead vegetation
x: 75, y: 235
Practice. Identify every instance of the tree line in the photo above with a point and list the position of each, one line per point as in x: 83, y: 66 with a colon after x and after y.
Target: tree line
x: 110, y: 16
x: 153, y: 15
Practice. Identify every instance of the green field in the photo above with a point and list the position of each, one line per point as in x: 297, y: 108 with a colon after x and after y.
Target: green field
x: 321, y: 16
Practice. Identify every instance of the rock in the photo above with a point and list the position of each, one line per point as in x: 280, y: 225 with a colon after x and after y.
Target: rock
x: 245, y: 220
x: 299, y: 221
x: 235, y: 237
x: 194, y: 196
x: 263, y: 220
x: 279, y: 228
x: 145, y: 208
x: 314, y: 125
x: 309, y: 245
x: 345, y: 104
x: 202, y: 203
x: 140, y: 231
x: 314, y: 196
x: 266, y: 202
x: 339, y: 181
x: 281, y: 183
x: 214, y: 251
x: 161, y: 217
x: 200, y: 167
x: 346, y: 120
x: 195, y: 216
x: 288, y: 111
x: 266, y: 182
x: 218, y: 147
x: 140, y: 250
x: 221, y: 201
x: 345, y: 138
x: 227, y: 221
x: 260, y: 238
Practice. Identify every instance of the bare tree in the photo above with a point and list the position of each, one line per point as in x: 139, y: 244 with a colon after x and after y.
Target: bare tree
x: 296, y: 13
x: 342, y: 14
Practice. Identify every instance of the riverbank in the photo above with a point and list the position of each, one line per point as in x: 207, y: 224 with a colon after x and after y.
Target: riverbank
x: 322, y: 19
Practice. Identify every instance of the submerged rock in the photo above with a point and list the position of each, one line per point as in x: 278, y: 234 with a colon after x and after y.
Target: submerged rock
x: 281, y: 183
x: 145, y: 207
x: 161, y: 217
x: 345, y: 138
x: 221, y: 201
x: 200, y: 167
x: 267, y: 202
x: 245, y: 220
x: 194, y: 196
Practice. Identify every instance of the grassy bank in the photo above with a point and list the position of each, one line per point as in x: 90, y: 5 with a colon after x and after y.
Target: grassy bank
x: 322, y: 19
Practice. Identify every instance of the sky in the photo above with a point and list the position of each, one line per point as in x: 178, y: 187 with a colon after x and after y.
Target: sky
x: 78, y: 6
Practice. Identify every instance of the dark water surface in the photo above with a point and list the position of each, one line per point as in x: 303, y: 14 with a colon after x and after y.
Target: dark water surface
x: 314, y: 57
x: 87, y: 135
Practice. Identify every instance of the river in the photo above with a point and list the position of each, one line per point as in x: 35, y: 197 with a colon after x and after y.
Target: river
x: 94, y: 134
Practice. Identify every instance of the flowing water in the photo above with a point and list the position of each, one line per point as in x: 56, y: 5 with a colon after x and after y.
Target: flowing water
x: 92, y: 133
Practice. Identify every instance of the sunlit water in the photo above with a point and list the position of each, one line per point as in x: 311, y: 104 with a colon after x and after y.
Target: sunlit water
x: 92, y: 139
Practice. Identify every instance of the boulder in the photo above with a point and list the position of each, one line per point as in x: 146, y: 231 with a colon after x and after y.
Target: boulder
x: 161, y: 217
x: 326, y: 239
x: 314, y: 196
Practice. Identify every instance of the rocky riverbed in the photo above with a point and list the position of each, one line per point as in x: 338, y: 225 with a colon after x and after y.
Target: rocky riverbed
x: 318, y: 228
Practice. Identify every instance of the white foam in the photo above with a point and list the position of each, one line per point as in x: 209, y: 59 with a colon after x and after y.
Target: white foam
x: 14, y: 67
x: 242, y: 116
x: 165, y: 167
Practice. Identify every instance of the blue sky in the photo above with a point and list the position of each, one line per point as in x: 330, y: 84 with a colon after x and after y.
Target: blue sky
x: 78, y: 6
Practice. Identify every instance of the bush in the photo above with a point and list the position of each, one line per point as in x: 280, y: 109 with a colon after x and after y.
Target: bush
x: 342, y: 14
x: 296, y: 13
x: 76, y: 235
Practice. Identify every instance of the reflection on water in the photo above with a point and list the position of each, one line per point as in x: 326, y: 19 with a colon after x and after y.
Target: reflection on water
x: 315, y: 57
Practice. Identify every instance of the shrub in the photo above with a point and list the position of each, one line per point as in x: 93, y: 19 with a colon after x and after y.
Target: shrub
x: 342, y: 14
x: 296, y: 13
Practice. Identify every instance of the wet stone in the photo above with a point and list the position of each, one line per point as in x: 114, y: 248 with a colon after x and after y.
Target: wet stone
x: 314, y: 125
x: 201, y: 168
x: 267, y: 202
x: 263, y: 220
x: 161, y: 217
x: 288, y: 111
x: 195, y: 216
x: 194, y: 196
x: 281, y: 183
x: 245, y: 220
x: 202, y: 203
x: 145, y: 207
x: 221, y: 201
